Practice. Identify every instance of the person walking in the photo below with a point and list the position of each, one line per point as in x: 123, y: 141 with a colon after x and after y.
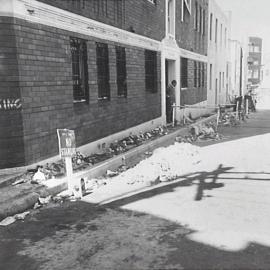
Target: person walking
x: 170, y: 100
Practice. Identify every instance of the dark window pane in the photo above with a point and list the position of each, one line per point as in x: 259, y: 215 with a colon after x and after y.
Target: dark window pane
x: 121, y: 71
x: 79, y: 69
x: 103, y: 71
x: 151, y: 71
x: 184, y: 72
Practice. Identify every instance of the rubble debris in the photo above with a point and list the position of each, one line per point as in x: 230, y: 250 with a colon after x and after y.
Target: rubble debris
x: 21, y: 216
x: 7, y: 221
x: 110, y: 173
x: 11, y: 219
x: 44, y: 201
x: 166, y: 164
x: 229, y: 119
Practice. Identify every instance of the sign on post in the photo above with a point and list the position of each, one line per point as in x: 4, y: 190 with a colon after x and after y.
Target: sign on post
x: 66, y: 139
x: 67, y: 148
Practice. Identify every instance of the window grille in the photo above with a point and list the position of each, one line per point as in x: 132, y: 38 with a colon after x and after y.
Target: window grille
x: 119, y: 11
x: 195, y: 74
x: 199, y: 75
x: 103, y: 75
x: 184, y: 72
x: 77, y: 4
x: 121, y: 71
x: 79, y: 69
x: 101, y: 7
x: 203, y: 72
x: 151, y: 71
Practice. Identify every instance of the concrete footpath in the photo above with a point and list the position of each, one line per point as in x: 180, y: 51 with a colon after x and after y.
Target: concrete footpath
x: 19, y: 198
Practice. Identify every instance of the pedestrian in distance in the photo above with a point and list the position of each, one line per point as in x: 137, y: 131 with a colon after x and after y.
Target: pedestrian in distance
x: 170, y: 100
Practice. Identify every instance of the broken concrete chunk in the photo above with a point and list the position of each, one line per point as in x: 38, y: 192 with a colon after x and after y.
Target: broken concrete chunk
x: 7, y: 221
x: 21, y: 216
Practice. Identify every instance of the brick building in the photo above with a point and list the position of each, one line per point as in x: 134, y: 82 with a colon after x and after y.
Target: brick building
x: 98, y: 67
x: 254, y: 61
x: 184, y: 52
x: 91, y: 66
x: 219, y: 66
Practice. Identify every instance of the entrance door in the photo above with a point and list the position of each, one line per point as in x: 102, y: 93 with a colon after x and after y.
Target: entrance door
x: 169, y: 77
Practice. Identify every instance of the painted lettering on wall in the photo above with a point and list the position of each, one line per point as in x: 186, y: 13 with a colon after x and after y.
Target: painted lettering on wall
x: 10, y: 104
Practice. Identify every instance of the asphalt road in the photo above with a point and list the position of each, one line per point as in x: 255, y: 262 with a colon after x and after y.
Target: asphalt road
x: 215, y: 218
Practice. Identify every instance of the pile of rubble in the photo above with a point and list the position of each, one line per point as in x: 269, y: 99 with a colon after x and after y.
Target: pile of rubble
x: 229, y: 119
x: 165, y: 164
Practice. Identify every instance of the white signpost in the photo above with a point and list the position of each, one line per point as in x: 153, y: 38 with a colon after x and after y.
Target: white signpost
x: 67, y: 148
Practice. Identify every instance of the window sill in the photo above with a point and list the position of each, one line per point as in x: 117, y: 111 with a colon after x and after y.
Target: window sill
x: 103, y: 99
x: 122, y: 96
x: 79, y: 101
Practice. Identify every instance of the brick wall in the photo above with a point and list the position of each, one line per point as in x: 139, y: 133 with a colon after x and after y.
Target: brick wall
x: 193, y: 95
x: 142, y: 16
x: 11, y: 128
x: 186, y: 35
x: 44, y: 62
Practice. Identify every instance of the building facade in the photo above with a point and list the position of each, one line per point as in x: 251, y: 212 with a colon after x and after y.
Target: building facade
x: 219, y: 62
x: 184, y: 54
x: 254, y: 62
x: 90, y: 66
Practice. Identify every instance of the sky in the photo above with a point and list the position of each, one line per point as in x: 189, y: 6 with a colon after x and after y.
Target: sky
x: 250, y: 18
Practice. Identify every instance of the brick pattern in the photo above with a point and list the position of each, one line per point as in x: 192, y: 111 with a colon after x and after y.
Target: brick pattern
x: 140, y: 16
x: 193, y: 95
x: 45, y: 74
x: 186, y: 36
x: 11, y: 131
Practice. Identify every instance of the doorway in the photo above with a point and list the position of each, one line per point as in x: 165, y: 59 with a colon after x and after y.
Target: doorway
x: 170, y: 75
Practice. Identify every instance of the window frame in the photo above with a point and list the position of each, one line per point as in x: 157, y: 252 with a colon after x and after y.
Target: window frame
x: 184, y: 72
x: 121, y: 71
x: 150, y: 66
x: 78, y: 48
x: 103, y: 71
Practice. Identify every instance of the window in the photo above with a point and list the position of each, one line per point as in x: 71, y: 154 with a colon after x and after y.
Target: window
x: 203, y: 23
x: 199, y: 75
x: 255, y: 74
x: 79, y: 69
x: 225, y: 37
x: 121, y: 71
x: 103, y: 75
x: 216, y: 30
x: 101, y: 7
x: 211, y: 26
x: 221, y: 29
x: 153, y: 1
x: 210, y: 76
x: 170, y: 18
x: 150, y: 71
x: 203, y: 74
x: 184, y: 72
x: 195, y: 74
x: 196, y: 16
x: 119, y: 11
x: 77, y: 4
x: 219, y: 81
x: 200, y: 20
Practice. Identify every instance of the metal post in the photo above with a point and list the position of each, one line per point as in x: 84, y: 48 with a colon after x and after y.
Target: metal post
x: 69, y: 172
x: 184, y: 115
x: 247, y: 111
x: 218, y: 116
x: 173, y: 116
